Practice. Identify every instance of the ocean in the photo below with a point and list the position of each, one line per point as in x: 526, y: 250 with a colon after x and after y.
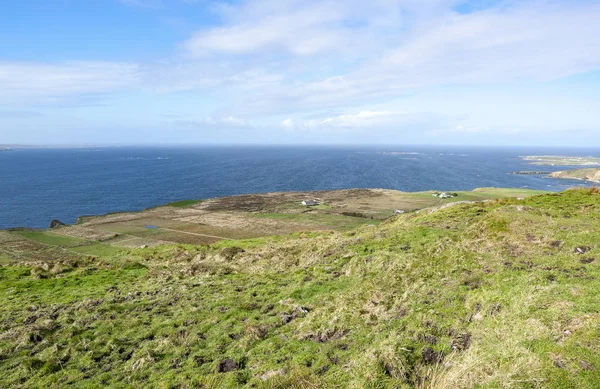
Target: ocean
x: 39, y: 185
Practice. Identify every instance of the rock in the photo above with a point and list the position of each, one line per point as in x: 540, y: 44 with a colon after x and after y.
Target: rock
x: 227, y: 365
x: 56, y: 223
x: 582, y: 250
x: 271, y: 374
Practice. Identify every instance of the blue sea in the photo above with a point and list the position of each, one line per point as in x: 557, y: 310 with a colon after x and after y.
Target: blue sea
x: 39, y: 185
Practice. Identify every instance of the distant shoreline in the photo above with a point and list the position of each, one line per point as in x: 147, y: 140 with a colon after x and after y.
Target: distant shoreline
x: 587, y: 174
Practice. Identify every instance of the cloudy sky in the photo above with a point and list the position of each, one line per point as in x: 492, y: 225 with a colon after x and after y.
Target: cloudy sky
x: 300, y: 71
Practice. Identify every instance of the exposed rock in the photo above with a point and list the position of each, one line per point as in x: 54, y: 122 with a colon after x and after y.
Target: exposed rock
x: 586, y: 174
x: 582, y: 250
x: 271, y: 374
x: 56, y: 223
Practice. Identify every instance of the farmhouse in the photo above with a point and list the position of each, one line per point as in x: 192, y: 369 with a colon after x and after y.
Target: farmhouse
x: 310, y: 202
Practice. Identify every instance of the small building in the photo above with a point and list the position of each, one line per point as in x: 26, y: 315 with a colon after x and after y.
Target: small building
x: 310, y: 202
x: 445, y: 196
x: 398, y: 211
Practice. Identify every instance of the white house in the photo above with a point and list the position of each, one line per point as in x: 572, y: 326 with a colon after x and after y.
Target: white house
x: 398, y: 211
x: 445, y: 196
x: 310, y: 202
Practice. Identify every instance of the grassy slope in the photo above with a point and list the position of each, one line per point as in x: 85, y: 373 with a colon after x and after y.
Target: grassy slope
x: 485, y: 295
x: 578, y: 174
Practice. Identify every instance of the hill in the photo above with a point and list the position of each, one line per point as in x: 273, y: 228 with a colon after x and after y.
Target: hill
x: 501, y: 293
x: 588, y: 174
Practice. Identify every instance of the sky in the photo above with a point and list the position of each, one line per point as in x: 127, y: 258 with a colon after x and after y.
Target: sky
x: 487, y: 72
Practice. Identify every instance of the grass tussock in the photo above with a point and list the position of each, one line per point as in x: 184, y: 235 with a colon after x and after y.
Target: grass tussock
x: 501, y: 294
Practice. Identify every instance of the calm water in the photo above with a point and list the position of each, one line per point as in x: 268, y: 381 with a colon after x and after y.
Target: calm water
x: 37, y: 186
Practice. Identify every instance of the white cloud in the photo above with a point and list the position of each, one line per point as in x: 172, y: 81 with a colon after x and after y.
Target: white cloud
x: 43, y: 83
x: 387, y: 49
x: 266, y: 60
x: 288, y: 124
x: 370, y: 122
x: 299, y: 28
x: 212, y: 122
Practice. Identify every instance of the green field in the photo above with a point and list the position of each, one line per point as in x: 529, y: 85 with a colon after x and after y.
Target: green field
x: 183, y: 203
x: 331, y: 221
x: 50, y: 238
x: 496, y: 294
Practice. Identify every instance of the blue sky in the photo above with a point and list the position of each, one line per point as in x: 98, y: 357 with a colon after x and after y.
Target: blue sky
x: 499, y: 72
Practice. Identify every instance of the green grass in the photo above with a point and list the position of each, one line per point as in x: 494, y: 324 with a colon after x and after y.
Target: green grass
x: 183, y: 203
x: 332, y: 221
x: 98, y: 249
x: 50, y: 238
x: 484, y: 295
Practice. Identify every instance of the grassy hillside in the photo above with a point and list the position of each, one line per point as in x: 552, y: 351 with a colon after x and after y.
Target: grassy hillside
x: 591, y: 174
x: 496, y: 294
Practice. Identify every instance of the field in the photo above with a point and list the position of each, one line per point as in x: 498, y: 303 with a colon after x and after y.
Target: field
x: 229, y: 218
x: 495, y: 294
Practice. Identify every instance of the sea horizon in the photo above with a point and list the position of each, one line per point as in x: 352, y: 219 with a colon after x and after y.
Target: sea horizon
x: 43, y: 184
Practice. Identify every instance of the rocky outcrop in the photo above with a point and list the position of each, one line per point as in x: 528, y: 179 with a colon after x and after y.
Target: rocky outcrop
x: 589, y: 174
x: 56, y: 223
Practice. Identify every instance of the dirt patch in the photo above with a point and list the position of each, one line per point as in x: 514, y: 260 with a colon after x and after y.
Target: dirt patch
x: 327, y: 335
x: 461, y: 342
x: 227, y: 365
x: 431, y: 357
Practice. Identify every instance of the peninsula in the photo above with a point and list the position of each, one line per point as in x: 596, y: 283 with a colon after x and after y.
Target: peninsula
x: 589, y: 174
x: 558, y: 160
